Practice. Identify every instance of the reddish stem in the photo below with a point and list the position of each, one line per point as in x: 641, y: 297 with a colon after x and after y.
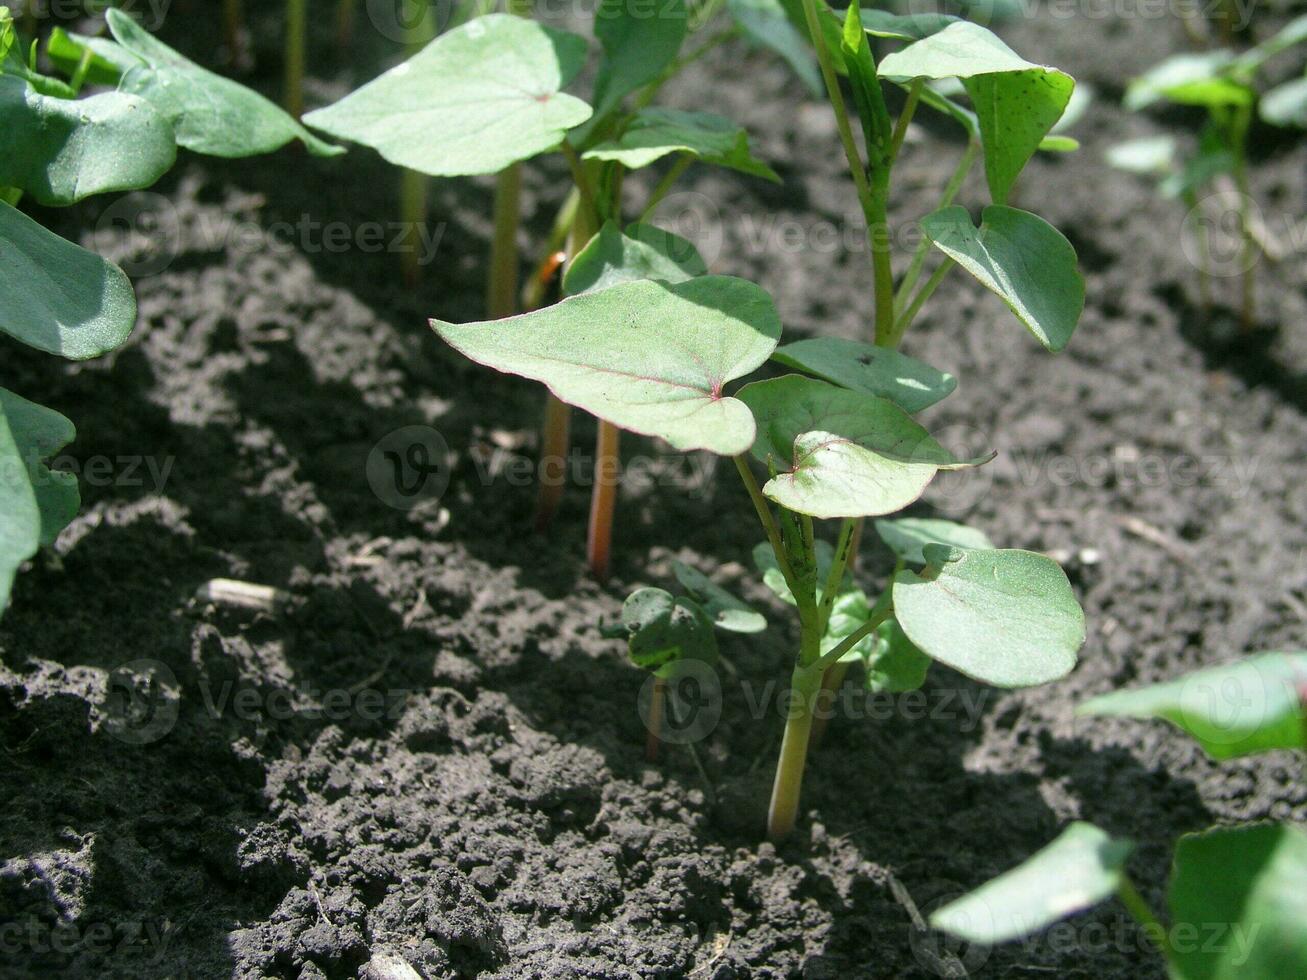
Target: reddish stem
x: 607, y: 475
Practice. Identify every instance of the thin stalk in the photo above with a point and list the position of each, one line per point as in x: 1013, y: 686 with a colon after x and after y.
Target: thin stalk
x: 233, y: 28
x: 1247, y: 305
x: 603, y: 500
x: 923, y: 248
x: 501, y: 283
x: 296, y: 39
x: 1141, y: 913
x: 905, y: 117
x: 665, y: 185
x: 654, y: 723
x: 878, y: 615
x: 345, y: 24
x: 905, y: 320
x: 581, y: 179
x: 839, y: 565
x: 1204, y: 254
x: 413, y: 188
x: 768, y: 521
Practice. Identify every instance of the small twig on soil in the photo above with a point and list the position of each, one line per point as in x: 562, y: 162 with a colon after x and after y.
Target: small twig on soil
x: 947, y: 965
x: 1153, y: 535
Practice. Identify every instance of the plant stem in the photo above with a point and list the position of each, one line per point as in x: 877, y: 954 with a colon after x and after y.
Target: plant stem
x: 603, y: 501
x: 669, y: 179
x: 1247, y: 313
x: 782, y: 813
x: 296, y: 32
x: 233, y: 29
x: 905, y: 117
x: 830, y: 588
x: 903, y: 322
x: 501, y: 284
x: 923, y: 247
x: 412, y: 215
x: 768, y: 522
x: 581, y: 179
x: 1141, y: 913
x: 654, y: 723
x: 831, y: 682
x: 345, y: 24
x: 878, y: 615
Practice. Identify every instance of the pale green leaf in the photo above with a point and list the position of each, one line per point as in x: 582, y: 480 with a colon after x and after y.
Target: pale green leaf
x: 911, y: 384
x: 1082, y: 867
x: 1150, y: 155
x: 656, y: 132
x: 765, y: 23
x: 725, y: 610
x: 662, y: 630
x: 1286, y: 105
x: 1252, y: 705
x: 57, y: 297
x: 907, y: 536
x: 894, y: 665
x: 1191, y: 78
x: 646, y: 356
x: 1020, y: 257
x: 643, y: 251
x: 60, y: 151
x: 905, y: 27
x: 1005, y: 617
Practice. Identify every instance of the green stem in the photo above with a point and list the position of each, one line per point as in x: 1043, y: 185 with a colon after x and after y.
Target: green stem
x: 768, y: 521
x: 345, y: 24
x: 783, y: 811
x: 1247, y: 311
x: 580, y: 178
x: 669, y: 179
x: 412, y: 214
x: 830, y: 588
x: 905, y: 117
x: 233, y: 28
x: 1143, y: 914
x: 884, y: 608
x: 296, y: 31
x: 903, y: 322
x: 923, y: 247
x: 501, y: 285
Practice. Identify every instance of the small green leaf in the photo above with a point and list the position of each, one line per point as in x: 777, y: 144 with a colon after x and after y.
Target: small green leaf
x: 655, y: 132
x: 725, y: 610
x: 57, y: 297
x: 1017, y: 102
x: 1083, y: 867
x: 642, y: 252
x: 1150, y: 155
x: 1252, y: 705
x: 764, y: 22
x: 907, y: 536
x: 646, y: 356
x: 60, y: 151
x: 639, y: 41
x: 868, y: 98
x: 895, y: 665
x: 905, y: 27
x: 848, y: 612
x: 1286, y: 105
x: 1059, y: 144
x: 209, y: 114
x: 109, y: 60
x: 1005, y: 617
x: 910, y: 384
x: 662, y: 630
x: 842, y: 453
x: 1241, y: 891
x: 1192, y: 78
x: 1020, y: 257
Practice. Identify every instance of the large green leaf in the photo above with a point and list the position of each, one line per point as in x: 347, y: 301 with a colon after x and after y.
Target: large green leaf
x: 907, y: 536
x: 209, y: 114
x: 840, y: 453
x: 656, y: 132
x: 764, y: 22
x: 1238, y: 897
x: 639, y: 41
x: 1022, y: 258
x: 613, y: 257
x: 473, y: 101
x: 646, y: 356
x: 1286, y: 105
x: 57, y: 297
x: 1016, y: 101
x: 910, y: 384
x: 1006, y: 617
x: 1081, y: 868
x: 725, y: 610
x: 662, y: 630
x: 1253, y: 705
x: 60, y: 151
x: 35, y: 503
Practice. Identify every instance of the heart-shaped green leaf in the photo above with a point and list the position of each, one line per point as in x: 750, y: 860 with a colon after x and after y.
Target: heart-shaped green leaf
x: 725, y: 610
x: 656, y: 132
x: 60, y: 151
x: 1006, y: 617
x: 907, y: 536
x: 1253, y: 705
x: 473, y: 101
x: 1241, y: 889
x: 209, y: 114
x: 642, y: 252
x: 1020, y: 257
x: 57, y: 297
x: 662, y: 630
x: 1083, y: 867
x: 639, y: 41
x: 1286, y: 105
x: 843, y: 453
x: 646, y: 356
x: 764, y: 22
x: 910, y: 384
x: 1017, y: 102
x: 35, y: 502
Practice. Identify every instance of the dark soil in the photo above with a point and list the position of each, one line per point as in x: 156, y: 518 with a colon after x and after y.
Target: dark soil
x: 431, y: 752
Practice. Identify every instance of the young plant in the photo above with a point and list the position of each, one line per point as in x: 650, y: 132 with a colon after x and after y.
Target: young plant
x: 60, y: 148
x: 651, y: 344
x: 1226, y: 85
x: 488, y: 95
x: 1237, y: 901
